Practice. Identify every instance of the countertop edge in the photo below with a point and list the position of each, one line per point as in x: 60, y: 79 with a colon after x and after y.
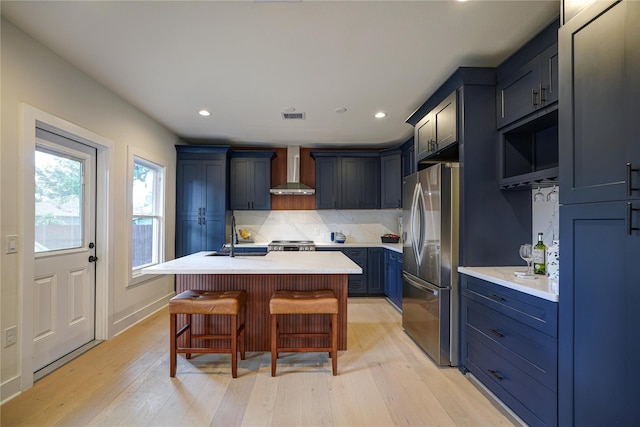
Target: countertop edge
x: 490, y: 274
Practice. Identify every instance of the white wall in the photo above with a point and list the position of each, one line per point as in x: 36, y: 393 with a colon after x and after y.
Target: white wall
x: 32, y: 74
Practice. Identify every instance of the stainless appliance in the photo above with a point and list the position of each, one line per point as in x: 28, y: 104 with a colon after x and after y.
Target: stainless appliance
x: 293, y: 186
x: 292, y: 245
x: 430, y: 260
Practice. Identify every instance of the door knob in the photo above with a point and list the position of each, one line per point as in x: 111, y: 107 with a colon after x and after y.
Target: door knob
x: 93, y: 258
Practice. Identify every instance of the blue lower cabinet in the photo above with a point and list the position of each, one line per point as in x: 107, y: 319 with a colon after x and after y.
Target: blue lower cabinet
x: 372, y: 280
x: 393, y: 277
x: 375, y: 271
x: 510, y: 344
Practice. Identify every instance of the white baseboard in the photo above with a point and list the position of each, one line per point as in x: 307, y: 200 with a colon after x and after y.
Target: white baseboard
x: 134, y: 318
x: 10, y: 389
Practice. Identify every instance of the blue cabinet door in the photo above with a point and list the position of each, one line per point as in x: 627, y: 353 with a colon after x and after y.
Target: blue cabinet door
x: 327, y: 176
x: 375, y: 271
x: 598, y: 122
x: 599, y: 314
x: 250, y: 182
x: 393, y: 277
x: 360, y: 183
x: 391, y: 182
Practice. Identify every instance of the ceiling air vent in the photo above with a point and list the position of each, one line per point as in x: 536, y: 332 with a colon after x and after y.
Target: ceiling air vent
x: 293, y: 116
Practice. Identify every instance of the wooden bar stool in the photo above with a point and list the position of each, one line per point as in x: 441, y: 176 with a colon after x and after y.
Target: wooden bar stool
x: 231, y: 303
x: 304, y: 302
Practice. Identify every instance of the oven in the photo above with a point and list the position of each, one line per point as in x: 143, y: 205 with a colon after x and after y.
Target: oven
x: 292, y: 245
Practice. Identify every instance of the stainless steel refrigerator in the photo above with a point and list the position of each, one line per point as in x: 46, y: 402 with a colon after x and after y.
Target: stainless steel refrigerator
x: 430, y: 260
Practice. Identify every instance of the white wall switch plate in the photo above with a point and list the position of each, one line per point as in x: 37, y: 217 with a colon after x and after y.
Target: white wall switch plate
x: 11, y: 244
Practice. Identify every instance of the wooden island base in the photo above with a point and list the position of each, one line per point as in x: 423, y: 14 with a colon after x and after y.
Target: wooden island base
x: 259, y: 288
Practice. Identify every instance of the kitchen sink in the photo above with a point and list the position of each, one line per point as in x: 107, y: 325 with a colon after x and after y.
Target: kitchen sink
x: 238, y: 254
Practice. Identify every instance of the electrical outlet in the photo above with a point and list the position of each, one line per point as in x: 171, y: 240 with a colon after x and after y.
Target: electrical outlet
x: 10, y: 336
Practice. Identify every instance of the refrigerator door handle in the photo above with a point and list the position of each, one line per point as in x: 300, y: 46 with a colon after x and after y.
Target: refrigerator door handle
x: 425, y: 286
x: 417, y: 223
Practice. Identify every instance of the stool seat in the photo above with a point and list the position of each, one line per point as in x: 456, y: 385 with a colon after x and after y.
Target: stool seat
x: 286, y: 302
x: 304, y: 302
x: 208, y: 302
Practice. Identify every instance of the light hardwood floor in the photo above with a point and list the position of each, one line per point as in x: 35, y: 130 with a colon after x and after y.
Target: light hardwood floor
x: 383, y: 380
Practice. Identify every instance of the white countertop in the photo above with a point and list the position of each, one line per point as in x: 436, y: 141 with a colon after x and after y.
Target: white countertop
x: 272, y: 263
x: 541, y: 286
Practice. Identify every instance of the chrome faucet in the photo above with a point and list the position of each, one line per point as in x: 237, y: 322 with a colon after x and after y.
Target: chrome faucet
x: 233, y: 235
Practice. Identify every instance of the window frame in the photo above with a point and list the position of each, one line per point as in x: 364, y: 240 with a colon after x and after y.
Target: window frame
x: 136, y: 156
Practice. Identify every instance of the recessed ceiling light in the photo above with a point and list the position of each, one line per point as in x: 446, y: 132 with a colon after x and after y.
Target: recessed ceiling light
x: 204, y: 113
x: 380, y: 115
x: 341, y: 110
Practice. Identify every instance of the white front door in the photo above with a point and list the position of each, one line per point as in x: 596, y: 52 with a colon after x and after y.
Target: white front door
x: 64, y: 279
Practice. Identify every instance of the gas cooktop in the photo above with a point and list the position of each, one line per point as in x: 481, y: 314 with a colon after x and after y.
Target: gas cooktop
x: 292, y: 245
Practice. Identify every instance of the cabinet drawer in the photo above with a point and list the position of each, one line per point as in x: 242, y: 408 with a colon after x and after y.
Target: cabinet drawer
x: 534, y: 403
x: 535, y: 312
x: 530, y: 350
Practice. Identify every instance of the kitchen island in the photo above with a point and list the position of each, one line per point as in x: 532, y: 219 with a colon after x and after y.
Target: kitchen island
x: 260, y: 276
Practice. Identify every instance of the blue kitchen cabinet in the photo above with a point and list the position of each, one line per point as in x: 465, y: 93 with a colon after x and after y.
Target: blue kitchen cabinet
x: 360, y: 182
x: 347, y: 180
x: 530, y: 88
x: 201, y: 194
x: 375, y: 271
x: 509, y: 341
x: 527, y: 112
x: 327, y: 176
x: 600, y: 100
x: 372, y: 280
x: 599, y: 314
x: 250, y: 180
x: 438, y: 130
x: 391, y: 181
x: 408, y: 158
x: 357, y: 282
x: 393, y: 277
x: 600, y: 216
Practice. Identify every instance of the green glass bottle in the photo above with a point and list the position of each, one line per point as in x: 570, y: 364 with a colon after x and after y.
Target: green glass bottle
x: 540, y: 257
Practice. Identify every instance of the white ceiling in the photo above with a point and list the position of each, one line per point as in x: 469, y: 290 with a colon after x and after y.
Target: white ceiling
x: 247, y: 61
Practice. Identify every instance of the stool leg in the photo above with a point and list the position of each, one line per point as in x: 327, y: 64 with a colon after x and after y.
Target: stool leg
x: 334, y: 343
x: 274, y: 343
x: 242, y: 328
x: 172, y: 345
x: 188, y: 334
x: 234, y: 345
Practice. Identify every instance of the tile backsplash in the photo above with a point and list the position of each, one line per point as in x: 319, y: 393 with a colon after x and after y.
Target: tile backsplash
x: 545, y: 216
x: 357, y: 225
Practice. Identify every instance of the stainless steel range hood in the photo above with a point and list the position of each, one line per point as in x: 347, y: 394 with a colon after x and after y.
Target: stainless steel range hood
x: 293, y: 185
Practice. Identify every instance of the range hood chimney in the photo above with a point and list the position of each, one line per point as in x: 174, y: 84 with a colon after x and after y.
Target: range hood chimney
x: 293, y: 185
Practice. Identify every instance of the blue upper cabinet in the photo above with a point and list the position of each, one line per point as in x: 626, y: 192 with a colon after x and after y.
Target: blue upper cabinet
x: 391, y: 183
x: 201, y: 194
x: 531, y: 88
x: 360, y: 182
x: 327, y: 175
x: 250, y: 180
x: 438, y: 129
x: 347, y: 180
x: 600, y: 150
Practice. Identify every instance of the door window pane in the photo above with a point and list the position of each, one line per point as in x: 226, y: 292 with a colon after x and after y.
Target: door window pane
x: 58, y: 195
